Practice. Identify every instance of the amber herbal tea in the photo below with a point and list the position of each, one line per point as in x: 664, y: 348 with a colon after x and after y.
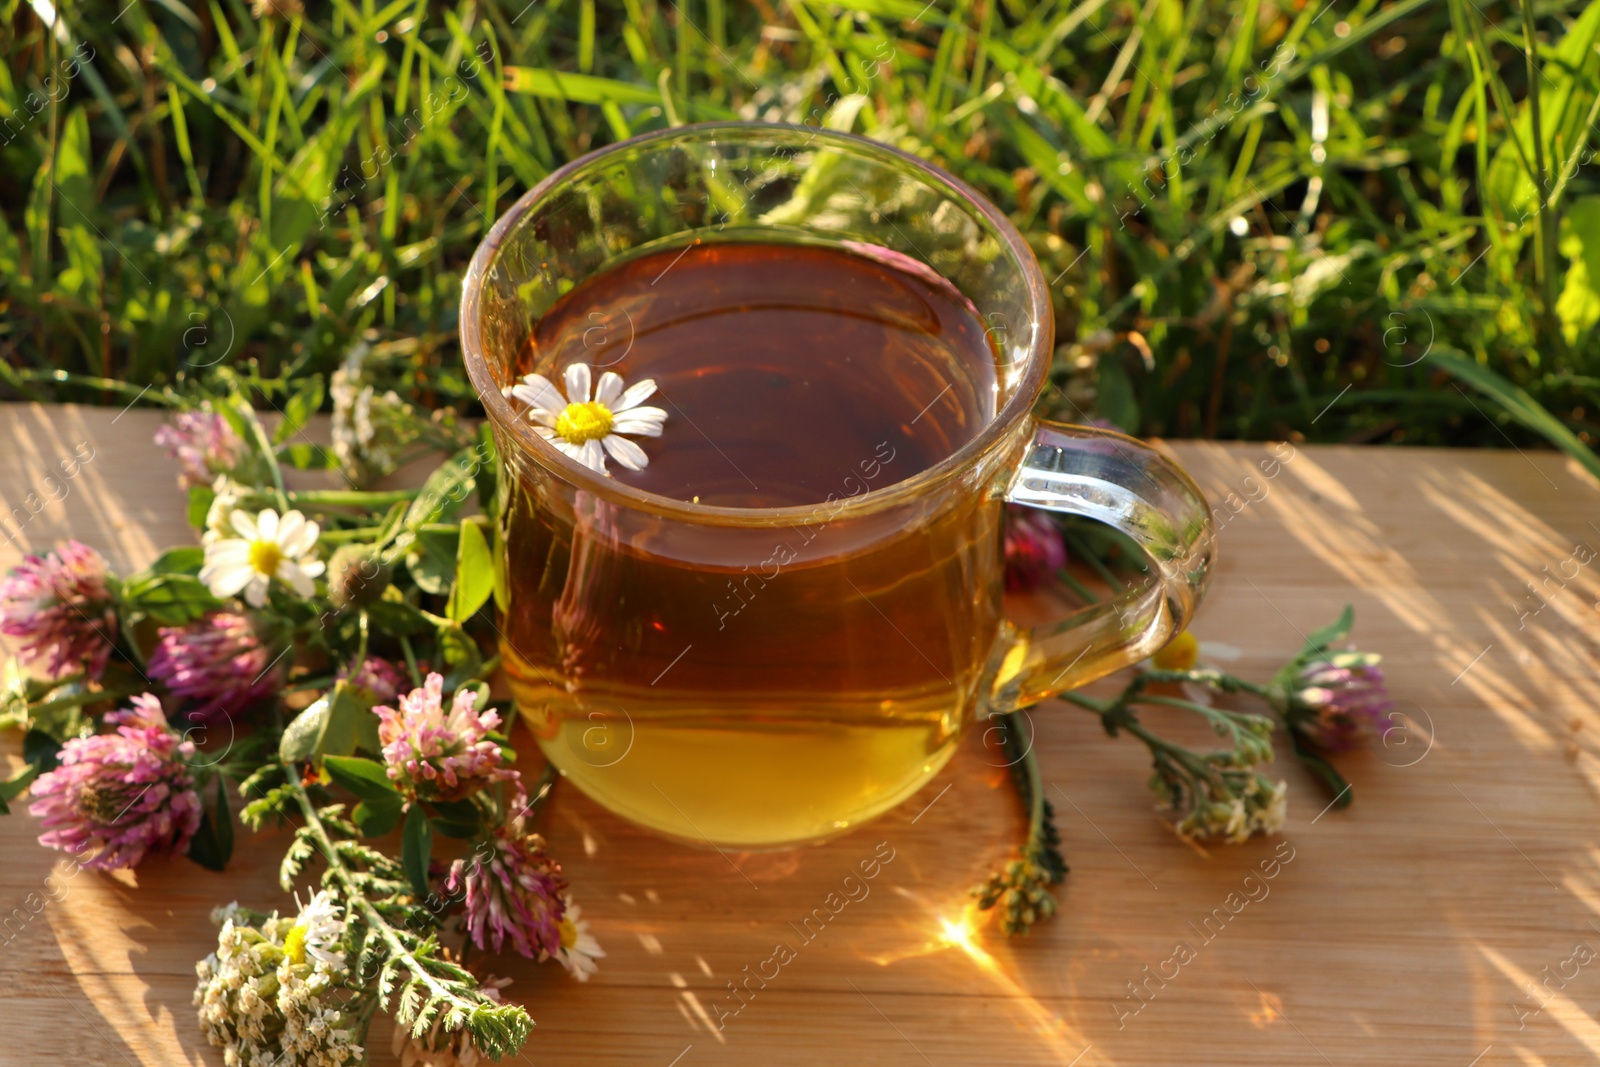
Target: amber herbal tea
x: 758, y: 683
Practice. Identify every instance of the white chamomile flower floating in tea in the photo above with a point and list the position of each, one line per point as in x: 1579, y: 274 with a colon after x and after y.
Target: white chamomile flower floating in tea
x: 267, y: 547
x: 588, y: 429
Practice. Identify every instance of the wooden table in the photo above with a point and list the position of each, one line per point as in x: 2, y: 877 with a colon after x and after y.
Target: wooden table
x: 1414, y: 928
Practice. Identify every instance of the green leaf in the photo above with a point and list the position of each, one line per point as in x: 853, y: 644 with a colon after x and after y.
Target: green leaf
x: 488, y: 476
x: 432, y: 561
x: 416, y: 846
x: 1317, y: 641
x: 1519, y: 405
x: 212, y: 844
x: 397, y: 618
x: 224, y: 824
x: 187, y: 559
x: 203, y: 846
x: 456, y: 818
x: 302, y: 404
x: 365, y: 778
x: 1116, y: 399
x: 474, y: 579
x: 343, y: 723
x: 1579, y: 304
x: 300, y: 738
x: 461, y: 654
x: 374, y: 818
x: 41, y: 750
x: 200, y: 500
x: 446, y: 489
x: 15, y: 787
x: 170, y: 599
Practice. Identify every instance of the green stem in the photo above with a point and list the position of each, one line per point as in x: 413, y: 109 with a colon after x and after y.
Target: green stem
x: 268, y: 453
x: 542, y: 790
x: 1545, y: 235
x: 78, y: 700
x: 89, y: 381
x: 1081, y: 549
x: 355, y: 898
x: 362, y: 627
x: 1228, y: 683
x: 411, y: 660
x: 343, y: 537
x: 1071, y: 582
x: 355, y: 498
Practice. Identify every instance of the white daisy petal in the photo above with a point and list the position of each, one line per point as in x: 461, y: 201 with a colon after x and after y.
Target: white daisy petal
x: 296, y: 578
x: 537, y: 390
x: 255, y: 593
x: 308, y: 539
x: 636, y: 394
x: 313, y: 568
x: 243, y: 525
x: 567, y: 447
x: 608, y: 389
x: 267, y: 525
x: 625, y: 452
x: 1214, y: 650
x: 290, y: 530
x: 226, y: 581
x: 541, y: 417
x: 630, y: 422
x: 593, y: 456
x: 227, y: 553
x: 546, y: 432
x: 577, y: 383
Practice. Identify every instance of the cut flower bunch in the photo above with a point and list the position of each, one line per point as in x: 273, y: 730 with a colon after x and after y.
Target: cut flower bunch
x: 1327, y: 697
x: 325, y: 653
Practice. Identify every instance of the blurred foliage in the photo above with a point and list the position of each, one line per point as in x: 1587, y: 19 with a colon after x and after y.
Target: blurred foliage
x: 1344, y: 221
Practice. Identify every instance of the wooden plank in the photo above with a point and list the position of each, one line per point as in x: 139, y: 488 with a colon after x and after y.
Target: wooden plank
x: 1404, y: 930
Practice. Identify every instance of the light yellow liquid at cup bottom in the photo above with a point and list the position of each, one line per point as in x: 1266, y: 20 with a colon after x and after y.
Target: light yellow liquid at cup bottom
x: 757, y: 779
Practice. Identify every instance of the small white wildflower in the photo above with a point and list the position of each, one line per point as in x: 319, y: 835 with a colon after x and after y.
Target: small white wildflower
x: 266, y: 547
x: 579, y: 949
x: 588, y: 429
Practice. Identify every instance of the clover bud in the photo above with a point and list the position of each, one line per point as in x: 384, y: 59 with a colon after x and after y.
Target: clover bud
x: 357, y: 576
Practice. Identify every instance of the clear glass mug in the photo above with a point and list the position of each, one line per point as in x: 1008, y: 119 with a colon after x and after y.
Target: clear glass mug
x: 869, y: 631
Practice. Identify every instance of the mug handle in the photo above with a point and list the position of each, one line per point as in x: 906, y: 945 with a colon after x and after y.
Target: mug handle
x: 1129, y: 486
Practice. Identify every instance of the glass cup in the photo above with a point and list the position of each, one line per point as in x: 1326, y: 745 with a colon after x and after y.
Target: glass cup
x: 753, y: 678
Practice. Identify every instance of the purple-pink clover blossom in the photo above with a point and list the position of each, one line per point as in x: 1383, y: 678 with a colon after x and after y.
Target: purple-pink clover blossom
x: 514, y: 892
x: 216, y: 662
x: 123, y: 795
x: 438, y: 755
x: 1034, y: 549
x: 1338, y: 699
x: 61, y: 608
x: 202, y: 442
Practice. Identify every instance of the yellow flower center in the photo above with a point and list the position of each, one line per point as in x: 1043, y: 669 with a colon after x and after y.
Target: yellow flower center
x: 294, y: 943
x: 569, y: 934
x: 589, y: 421
x: 265, y: 557
x: 1180, y: 654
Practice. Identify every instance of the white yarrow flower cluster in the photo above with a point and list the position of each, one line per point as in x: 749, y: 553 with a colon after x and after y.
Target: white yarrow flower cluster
x: 1258, y: 807
x: 369, y: 428
x: 272, y: 993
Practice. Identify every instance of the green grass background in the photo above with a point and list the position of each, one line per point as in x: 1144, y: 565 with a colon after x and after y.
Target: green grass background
x: 1356, y: 221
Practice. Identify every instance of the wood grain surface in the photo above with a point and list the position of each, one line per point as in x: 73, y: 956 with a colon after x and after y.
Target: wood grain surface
x: 1450, y: 917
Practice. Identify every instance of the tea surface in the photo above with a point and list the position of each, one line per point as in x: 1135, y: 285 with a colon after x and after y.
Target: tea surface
x: 760, y: 687
x: 780, y: 367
